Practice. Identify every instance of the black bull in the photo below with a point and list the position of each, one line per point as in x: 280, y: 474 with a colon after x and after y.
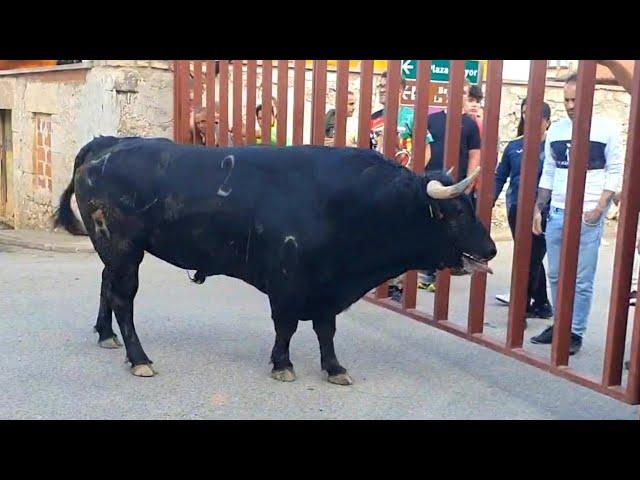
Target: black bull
x: 314, y: 228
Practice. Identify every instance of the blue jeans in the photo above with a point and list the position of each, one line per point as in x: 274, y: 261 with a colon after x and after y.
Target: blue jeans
x: 590, y: 236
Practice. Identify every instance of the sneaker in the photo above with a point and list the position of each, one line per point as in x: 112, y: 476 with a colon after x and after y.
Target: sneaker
x: 503, y: 298
x: 575, y: 344
x: 543, y: 311
x: 545, y: 338
x: 428, y: 286
x: 632, y: 298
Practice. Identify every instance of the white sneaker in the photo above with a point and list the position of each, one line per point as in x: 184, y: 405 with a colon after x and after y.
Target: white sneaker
x: 503, y: 298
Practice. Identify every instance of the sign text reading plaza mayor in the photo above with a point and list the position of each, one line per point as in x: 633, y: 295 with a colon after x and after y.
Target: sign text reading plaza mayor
x: 438, y: 88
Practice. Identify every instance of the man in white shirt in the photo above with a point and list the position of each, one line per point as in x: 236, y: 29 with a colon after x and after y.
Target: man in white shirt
x: 604, y: 177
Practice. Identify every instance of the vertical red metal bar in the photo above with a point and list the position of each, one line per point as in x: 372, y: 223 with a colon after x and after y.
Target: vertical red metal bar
x: 390, y: 132
x: 420, y: 111
x: 451, y: 156
x: 298, y: 102
x: 366, y: 90
x: 237, y: 103
x: 283, y: 89
x: 185, y: 95
x: 197, y: 93
x: 526, y: 201
x: 573, y: 212
x: 488, y: 157
x: 633, y: 382
x: 319, y: 101
x: 267, y: 101
x: 420, y: 114
x: 177, y: 105
x: 342, y: 88
x: 626, y: 235
x: 210, y: 84
x: 223, y: 125
x: 176, y: 99
x: 197, y: 84
x: 252, y: 66
x: 391, y: 109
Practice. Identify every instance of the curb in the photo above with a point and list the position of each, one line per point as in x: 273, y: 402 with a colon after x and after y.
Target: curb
x: 49, y: 247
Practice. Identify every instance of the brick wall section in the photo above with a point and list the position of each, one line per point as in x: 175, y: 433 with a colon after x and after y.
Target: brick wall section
x: 42, y: 178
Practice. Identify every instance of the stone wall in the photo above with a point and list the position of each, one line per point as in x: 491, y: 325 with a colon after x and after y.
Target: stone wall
x: 78, y: 102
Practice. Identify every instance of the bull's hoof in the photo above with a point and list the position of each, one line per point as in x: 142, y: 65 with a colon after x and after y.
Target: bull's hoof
x: 143, y: 371
x: 112, y: 342
x: 286, y: 375
x: 340, y: 379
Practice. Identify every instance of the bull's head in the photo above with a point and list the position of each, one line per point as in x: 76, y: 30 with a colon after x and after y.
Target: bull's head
x: 469, y: 244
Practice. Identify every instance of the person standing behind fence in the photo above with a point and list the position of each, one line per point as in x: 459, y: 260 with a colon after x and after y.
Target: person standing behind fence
x: 273, y: 136
x: 404, y: 125
x: 351, y: 139
x: 505, y: 297
x: 403, y: 148
x: 198, y: 128
x: 468, y: 160
x: 603, y: 179
x: 509, y: 167
x: 473, y: 105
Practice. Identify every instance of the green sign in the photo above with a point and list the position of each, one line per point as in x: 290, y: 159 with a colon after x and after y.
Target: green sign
x: 440, y: 70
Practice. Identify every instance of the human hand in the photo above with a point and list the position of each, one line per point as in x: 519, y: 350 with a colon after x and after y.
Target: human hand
x: 616, y: 198
x: 591, y: 217
x: 537, y: 222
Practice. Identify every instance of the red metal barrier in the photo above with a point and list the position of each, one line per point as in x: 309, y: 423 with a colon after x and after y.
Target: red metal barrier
x: 189, y: 93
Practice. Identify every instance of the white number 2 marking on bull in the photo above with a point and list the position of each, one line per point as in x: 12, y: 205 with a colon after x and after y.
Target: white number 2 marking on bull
x: 227, y: 162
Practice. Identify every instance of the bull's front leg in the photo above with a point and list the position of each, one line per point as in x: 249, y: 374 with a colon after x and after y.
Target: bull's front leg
x: 325, y: 328
x: 285, y: 327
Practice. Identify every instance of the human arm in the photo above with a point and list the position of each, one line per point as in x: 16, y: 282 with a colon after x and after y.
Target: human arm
x: 623, y: 76
x: 502, y: 172
x: 545, y: 187
x: 613, y: 175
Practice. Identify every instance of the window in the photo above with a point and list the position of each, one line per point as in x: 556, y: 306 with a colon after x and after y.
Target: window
x: 42, y: 151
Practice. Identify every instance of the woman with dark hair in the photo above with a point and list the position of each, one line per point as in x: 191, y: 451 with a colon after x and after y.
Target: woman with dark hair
x: 537, y: 301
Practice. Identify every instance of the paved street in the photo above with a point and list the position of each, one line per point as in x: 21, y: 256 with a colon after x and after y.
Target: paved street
x: 211, y: 345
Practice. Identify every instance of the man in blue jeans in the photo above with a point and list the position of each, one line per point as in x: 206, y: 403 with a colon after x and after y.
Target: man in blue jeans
x: 604, y: 177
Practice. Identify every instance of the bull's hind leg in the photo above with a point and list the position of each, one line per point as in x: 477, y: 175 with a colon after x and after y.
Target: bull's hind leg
x: 121, y: 291
x: 282, y: 367
x: 106, y: 337
x: 325, y: 328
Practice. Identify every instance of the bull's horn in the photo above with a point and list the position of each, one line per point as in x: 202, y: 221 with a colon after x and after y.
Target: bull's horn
x: 436, y: 190
x: 450, y: 171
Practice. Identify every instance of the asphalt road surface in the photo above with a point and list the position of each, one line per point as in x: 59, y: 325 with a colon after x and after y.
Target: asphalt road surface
x: 211, y: 345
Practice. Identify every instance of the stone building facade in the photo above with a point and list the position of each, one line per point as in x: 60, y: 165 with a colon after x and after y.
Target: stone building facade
x: 49, y: 113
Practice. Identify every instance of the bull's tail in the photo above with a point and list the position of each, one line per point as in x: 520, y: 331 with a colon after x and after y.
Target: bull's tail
x: 64, y: 216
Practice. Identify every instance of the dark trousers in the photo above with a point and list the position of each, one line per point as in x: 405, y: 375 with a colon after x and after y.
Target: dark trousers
x: 537, y: 288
